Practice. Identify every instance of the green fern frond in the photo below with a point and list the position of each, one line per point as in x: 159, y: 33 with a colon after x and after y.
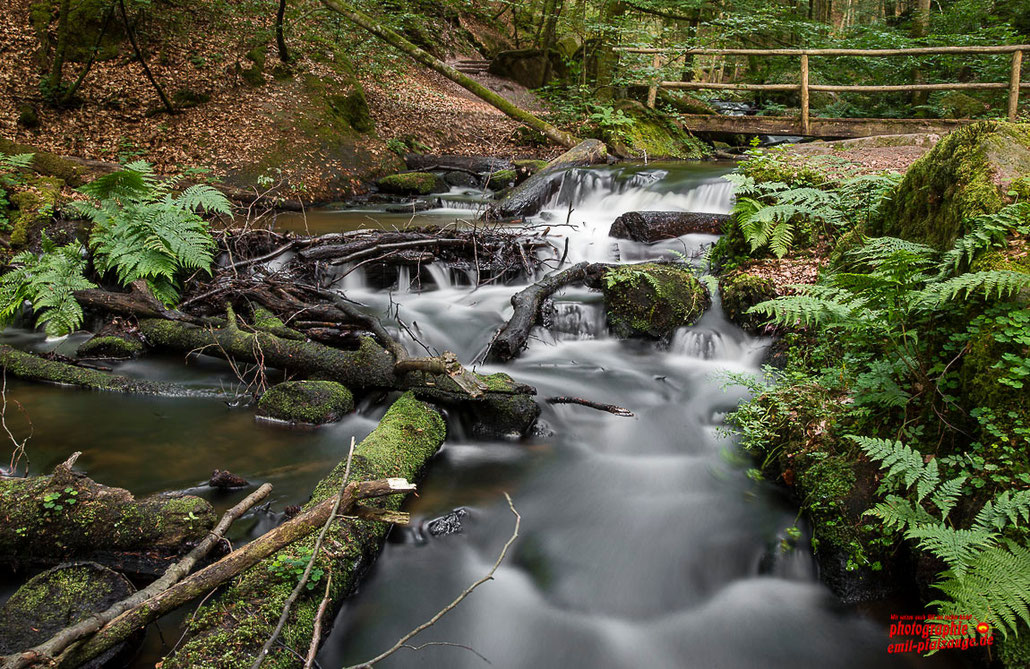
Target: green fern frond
x: 804, y: 309
x: 893, y: 456
x: 994, y: 588
x: 898, y: 513
x: 957, y: 547
x: 1007, y: 507
x: 997, y: 283
x: 946, y: 496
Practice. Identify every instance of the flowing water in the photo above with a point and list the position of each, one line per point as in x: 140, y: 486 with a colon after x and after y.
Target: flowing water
x: 643, y: 542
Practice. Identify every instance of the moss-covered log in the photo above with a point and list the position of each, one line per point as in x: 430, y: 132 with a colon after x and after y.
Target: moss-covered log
x: 66, y: 515
x: 968, y: 173
x: 652, y: 300
x: 230, y: 631
x: 527, y: 198
x: 31, y: 367
x: 309, y: 402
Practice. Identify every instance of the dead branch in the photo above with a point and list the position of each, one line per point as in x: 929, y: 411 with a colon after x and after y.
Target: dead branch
x: 610, y: 408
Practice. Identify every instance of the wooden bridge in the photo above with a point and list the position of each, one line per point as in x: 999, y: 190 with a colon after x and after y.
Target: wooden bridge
x: 805, y: 124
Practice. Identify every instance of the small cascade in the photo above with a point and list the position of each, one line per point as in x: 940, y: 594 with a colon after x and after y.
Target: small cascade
x: 576, y: 321
x: 699, y: 343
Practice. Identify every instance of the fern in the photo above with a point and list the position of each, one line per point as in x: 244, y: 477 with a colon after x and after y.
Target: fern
x: 48, y: 281
x: 994, y: 587
x: 895, y: 457
x: 988, y: 231
x: 997, y: 283
x: 142, y: 230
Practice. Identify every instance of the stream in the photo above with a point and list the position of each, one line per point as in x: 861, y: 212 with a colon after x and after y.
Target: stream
x: 643, y: 542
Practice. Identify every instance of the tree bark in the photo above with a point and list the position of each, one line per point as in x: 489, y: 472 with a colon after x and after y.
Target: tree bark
x: 280, y: 37
x: 31, y: 367
x: 511, y: 339
x: 66, y: 515
x: 368, y: 23
x: 143, y: 61
x: 57, y: 67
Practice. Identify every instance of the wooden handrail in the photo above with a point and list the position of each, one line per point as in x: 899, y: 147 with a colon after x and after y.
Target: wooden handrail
x: 913, y: 51
x: 1014, y: 84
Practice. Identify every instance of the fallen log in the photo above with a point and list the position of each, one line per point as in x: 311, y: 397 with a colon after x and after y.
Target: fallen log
x: 512, y: 337
x: 654, y: 226
x: 63, y: 638
x: 66, y: 515
x: 407, y: 437
x: 528, y: 197
x: 420, y: 162
x: 31, y: 367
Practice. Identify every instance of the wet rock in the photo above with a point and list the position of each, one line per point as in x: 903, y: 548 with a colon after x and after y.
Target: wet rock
x: 652, y: 300
x: 460, y: 179
x: 452, y: 523
x: 60, y: 597
x: 110, y: 347
x: 477, y: 164
x: 226, y: 480
x: 740, y: 291
x: 501, y: 179
x: 528, y: 197
x: 653, y: 226
x: 310, y: 402
x: 412, y: 183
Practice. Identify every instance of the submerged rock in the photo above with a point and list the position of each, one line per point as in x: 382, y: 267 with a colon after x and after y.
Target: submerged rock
x: 311, y: 402
x: 226, y: 480
x: 110, y: 346
x: 968, y: 173
x: 60, y: 597
x: 452, y: 523
x: 652, y: 300
x: 653, y: 226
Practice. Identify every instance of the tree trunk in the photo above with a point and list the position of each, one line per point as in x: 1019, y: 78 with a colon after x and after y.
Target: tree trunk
x: 68, y: 516
x: 368, y: 23
x: 31, y: 367
x: 607, y: 59
x: 400, y: 447
x: 143, y: 61
x: 280, y: 38
x: 57, y: 67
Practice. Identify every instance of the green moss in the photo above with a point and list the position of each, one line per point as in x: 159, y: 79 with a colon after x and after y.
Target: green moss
x: 1013, y: 652
x: 48, y: 164
x: 741, y: 291
x: 253, y: 76
x: 501, y: 179
x: 960, y: 105
x: 36, y: 202
x: 968, y: 173
x: 257, y: 56
x: 312, y: 402
x: 530, y: 166
x: 184, y: 98
x: 652, y: 300
x: 109, y: 347
x: 265, y: 319
x: 28, y: 117
x: 33, y: 368
x: 410, y: 183
x: 653, y: 134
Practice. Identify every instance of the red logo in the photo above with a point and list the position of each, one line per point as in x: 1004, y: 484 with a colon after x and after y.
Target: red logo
x: 983, y: 628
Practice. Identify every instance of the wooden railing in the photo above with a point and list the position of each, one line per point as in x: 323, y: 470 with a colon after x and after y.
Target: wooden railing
x: 805, y: 88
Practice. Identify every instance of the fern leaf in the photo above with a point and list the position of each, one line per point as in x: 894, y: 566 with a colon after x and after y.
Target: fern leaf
x: 994, y: 588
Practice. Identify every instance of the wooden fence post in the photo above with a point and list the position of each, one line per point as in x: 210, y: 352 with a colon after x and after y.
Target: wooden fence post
x: 652, y: 91
x: 1017, y: 72
x: 806, y: 122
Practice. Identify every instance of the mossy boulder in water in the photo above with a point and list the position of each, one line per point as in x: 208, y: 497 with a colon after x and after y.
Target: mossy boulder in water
x: 741, y: 291
x: 411, y: 183
x: 57, y: 598
x: 110, y: 346
x: 312, y: 402
x: 652, y: 300
x: 968, y: 173
x: 652, y: 134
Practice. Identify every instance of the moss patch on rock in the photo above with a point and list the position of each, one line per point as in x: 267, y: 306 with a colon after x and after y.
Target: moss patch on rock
x: 410, y: 183
x: 968, y: 173
x: 652, y: 300
x: 654, y: 135
x: 56, y: 599
x: 36, y: 201
x: 110, y: 346
x: 740, y: 291
x: 312, y: 402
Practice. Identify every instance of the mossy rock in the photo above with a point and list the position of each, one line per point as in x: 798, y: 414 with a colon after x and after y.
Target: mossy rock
x: 36, y: 201
x: 501, y: 179
x: 685, y: 103
x: 28, y: 117
x: 58, y: 598
x: 311, y: 402
x: 184, y: 98
x: 652, y: 300
x: 741, y: 291
x: 967, y: 174
x: 48, y: 164
x: 411, y: 183
x: 253, y: 76
x: 961, y: 105
x: 110, y: 346
x: 654, y: 135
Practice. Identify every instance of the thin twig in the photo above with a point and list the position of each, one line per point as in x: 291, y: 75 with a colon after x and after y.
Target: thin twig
x: 403, y: 642
x: 316, y: 636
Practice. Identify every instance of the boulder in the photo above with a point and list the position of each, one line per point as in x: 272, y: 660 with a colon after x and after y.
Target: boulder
x: 111, y: 347
x: 60, y: 597
x: 310, y: 402
x: 654, y: 135
x: 653, y: 226
x: 527, y: 198
x: 652, y: 300
x: 530, y: 67
x: 740, y: 291
x: 412, y: 183
x: 970, y: 172
x: 460, y: 179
